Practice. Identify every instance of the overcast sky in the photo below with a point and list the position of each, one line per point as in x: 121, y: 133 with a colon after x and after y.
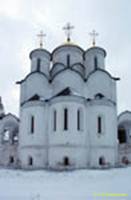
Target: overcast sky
x: 21, y: 21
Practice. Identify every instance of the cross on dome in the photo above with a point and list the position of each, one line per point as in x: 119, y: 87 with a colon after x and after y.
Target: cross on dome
x: 67, y: 30
x: 41, y: 35
x: 93, y: 34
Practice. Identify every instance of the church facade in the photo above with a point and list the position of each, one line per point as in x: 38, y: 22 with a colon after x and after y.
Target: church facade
x: 68, y: 114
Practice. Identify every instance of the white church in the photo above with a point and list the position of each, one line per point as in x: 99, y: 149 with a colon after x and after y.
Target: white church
x: 68, y: 113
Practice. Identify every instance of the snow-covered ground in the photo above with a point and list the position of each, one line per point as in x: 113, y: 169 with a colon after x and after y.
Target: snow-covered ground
x: 73, y: 185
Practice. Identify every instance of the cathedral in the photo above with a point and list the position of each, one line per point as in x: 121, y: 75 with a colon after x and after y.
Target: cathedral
x: 68, y: 113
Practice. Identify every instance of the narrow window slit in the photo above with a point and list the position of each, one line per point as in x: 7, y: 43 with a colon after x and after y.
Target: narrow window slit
x: 65, y: 119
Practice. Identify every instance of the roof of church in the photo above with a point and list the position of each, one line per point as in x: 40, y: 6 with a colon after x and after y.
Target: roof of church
x: 10, y: 115
x: 104, y: 71
x: 124, y: 113
x: 34, y: 72
x: 67, y: 45
x: 68, y: 91
x: 96, y: 47
x: 39, y: 50
x: 34, y: 98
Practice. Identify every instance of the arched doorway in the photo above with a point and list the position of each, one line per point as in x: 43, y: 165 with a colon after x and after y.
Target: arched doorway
x: 122, y: 135
x: 66, y: 161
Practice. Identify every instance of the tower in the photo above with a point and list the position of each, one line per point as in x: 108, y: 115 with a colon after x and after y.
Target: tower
x: 33, y: 111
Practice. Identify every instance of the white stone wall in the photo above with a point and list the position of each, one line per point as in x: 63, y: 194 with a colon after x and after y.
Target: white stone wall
x: 72, y: 142
x: 108, y: 153
x: 38, y: 154
x: 104, y: 143
x: 6, y: 152
x: 77, y: 157
x: 32, y: 144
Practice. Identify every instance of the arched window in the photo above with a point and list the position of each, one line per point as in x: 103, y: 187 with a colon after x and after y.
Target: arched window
x: 95, y: 63
x: 38, y: 64
x: 68, y: 60
x: 30, y: 161
x: 99, y: 124
x: 55, y: 120
x: 65, y: 119
x: 32, y: 125
x: 11, y: 159
x: 122, y: 135
x: 99, y: 96
x: 101, y: 160
x: 79, y: 120
x: 66, y: 161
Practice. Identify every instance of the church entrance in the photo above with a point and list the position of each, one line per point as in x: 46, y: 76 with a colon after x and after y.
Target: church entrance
x: 66, y: 161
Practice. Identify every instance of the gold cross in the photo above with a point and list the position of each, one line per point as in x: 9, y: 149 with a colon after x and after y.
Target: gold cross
x: 41, y: 35
x: 93, y: 34
x: 67, y: 30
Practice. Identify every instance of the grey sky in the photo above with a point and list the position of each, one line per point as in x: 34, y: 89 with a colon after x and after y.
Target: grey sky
x: 21, y: 20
